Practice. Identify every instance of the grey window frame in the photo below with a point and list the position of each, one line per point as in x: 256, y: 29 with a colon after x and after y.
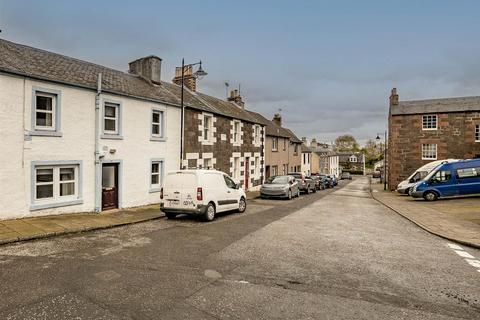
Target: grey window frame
x: 118, y: 118
x: 162, y: 136
x: 55, y: 203
x: 161, y: 174
x: 56, y: 130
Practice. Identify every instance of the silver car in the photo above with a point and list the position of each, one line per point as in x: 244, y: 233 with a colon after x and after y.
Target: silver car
x: 280, y: 187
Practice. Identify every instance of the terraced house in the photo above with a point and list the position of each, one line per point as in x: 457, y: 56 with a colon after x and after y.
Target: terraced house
x: 222, y: 135
x: 421, y: 131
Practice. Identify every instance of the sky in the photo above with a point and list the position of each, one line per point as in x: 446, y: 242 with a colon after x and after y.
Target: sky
x: 328, y: 65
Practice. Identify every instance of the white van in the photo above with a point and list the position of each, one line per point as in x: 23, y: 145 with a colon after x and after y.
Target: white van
x: 200, y: 192
x: 405, y: 186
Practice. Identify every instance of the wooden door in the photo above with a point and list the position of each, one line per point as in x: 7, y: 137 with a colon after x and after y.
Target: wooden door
x: 109, y: 186
x: 247, y: 172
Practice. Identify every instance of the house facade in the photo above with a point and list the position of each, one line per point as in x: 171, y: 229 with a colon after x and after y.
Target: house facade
x: 295, y: 152
x: 306, y: 167
x: 80, y: 137
x: 353, y: 162
x: 222, y: 135
x: 426, y: 130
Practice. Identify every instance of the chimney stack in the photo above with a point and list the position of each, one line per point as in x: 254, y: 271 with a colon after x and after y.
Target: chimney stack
x: 189, y: 79
x: 304, y: 140
x: 148, y: 68
x: 236, y: 98
x: 313, y: 143
x: 277, y: 119
x: 394, y: 97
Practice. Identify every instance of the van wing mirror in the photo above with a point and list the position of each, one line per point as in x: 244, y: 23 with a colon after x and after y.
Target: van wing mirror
x: 238, y: 185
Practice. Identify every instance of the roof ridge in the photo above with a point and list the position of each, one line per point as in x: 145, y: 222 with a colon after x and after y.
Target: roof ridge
x: 439, y: 99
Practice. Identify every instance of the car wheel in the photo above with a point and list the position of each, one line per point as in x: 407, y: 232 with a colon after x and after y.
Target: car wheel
x: 308, y: 190
x: 408, y: 191
x: 289, y: 195
x: 430, y: 196
x: 170, y: 215
x: 242, y: 205
x: 298, y: 192
x: 314, y: 189
x: 210, y: 212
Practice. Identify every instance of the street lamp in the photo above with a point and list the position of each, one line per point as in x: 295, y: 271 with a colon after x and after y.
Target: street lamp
x: 384, y: 158
x: 199, y: 74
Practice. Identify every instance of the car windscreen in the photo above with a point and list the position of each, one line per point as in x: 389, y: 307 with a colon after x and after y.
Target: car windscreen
x: 278, y: 180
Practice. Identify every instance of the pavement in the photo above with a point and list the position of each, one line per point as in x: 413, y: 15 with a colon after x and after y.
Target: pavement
x: 453, y: 219
x: 336, y: 254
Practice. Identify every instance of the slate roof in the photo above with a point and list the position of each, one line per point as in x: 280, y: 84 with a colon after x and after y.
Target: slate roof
x: 345, y: 156
x: 44, y: 65
x: 272, y: 129
x: 305, y: 149
x: 446, y: 105
x: 293, y: 137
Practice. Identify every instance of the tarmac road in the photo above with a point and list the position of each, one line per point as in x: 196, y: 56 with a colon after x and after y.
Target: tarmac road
x: 337, y: 254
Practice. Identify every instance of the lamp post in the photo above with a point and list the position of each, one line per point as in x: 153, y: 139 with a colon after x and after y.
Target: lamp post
x: 384, y: 158
x: 200, y: 73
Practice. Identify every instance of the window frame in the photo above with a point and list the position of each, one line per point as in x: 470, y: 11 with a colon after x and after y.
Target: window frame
x: 117, y: 134
x: 256, y: 134
x: 237, y: 134
x: 56, y: 200
x: 207, y: 129
x: 55, y: 129
x: 477, y: 132
x: 257, y: 165
x: 161, y: 174
x: 424, y: 151
x: 429, y: 117
x: 162, y: 129
x: 275, y: 144
x: 236, y: 168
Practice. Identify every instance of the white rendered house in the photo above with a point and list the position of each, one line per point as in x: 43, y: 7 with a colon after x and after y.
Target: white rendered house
x: 80, y: 137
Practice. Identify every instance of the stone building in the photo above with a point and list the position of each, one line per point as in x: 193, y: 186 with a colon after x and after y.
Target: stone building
x: 282, y: 147
x: 353, y: 162
x: 426, y: 130
x: 221, y: 135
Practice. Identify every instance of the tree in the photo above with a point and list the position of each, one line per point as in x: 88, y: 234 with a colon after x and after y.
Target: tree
x: 373, y: 152
x: 347, y: 142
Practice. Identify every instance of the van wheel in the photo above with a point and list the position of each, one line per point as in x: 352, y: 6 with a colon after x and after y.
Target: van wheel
x: 242, y: 205
x: 210, y: 212
x: 430, y: 196
x: 170, y: 215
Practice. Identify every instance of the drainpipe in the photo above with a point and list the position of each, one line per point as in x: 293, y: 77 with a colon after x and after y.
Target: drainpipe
x: 98, y: 161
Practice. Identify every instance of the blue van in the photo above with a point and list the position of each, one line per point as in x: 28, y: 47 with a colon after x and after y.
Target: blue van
x: 454, y: 179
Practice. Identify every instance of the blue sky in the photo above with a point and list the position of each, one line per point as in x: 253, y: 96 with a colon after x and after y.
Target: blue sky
x: 329, y: 65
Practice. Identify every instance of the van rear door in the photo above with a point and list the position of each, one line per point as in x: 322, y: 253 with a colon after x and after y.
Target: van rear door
x: 180, y: 190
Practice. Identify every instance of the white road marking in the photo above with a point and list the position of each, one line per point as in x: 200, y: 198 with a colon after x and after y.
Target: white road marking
x: 473, y: 263
x: 464, y: 254
x: 454, y: 246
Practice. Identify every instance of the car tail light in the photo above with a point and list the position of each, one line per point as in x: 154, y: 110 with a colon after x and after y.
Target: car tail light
x: 199, y: 194
x: 161, y: 193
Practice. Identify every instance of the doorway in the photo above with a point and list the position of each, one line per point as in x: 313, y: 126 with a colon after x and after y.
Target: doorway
x: 247, y: 172
x: 109, y: 186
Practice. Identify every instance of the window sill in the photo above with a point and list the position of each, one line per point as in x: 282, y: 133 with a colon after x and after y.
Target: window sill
x: 429, y: 159
x: 429, y: 129
x: 39, y: 206
x: 111, y: 136
x: 161, y: 139
x: 45, y: 133
x: 154, y: 190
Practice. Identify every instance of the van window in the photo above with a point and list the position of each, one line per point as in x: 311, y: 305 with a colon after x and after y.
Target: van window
x: 229, y: 182
x: 180, y: 180
x: 441, y: 176
x: 468, y: 173
x: 212, y: 180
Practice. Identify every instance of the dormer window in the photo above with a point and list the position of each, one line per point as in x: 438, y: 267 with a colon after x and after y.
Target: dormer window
x: 353, y: 158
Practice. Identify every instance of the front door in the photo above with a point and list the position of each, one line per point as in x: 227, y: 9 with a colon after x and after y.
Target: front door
x: 247, y: 172
x: 109, y: 186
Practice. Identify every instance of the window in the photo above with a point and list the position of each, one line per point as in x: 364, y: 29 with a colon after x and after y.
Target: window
x: 207, y: 127
x: 236, y: 168
x: 236, y: 131
x: 257, y: 166
x: 158, y: 130
x: 156, y: 175
x: 275, y: 144
x: 111, y: 120
x: 353, y: 159
x: 45, y: 111
x: 285, y: 167
x: 229, y: 182
x: 284, y: 144
x: 274, y: 171
x: 477, y: 133
x: 429, y: 151
x: 207, y: 163
x: 468, y: 173
x: 295, y: 148
x: 441, y: 176
x: 55, y: 185
x: 429, y: 122
x: 257, y: 134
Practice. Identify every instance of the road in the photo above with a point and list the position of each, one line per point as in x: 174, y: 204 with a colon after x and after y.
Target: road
x: 337, y: 254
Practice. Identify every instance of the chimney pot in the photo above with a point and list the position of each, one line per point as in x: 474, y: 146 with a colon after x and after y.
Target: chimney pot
x: 236, y: 98
x: 148, y: 68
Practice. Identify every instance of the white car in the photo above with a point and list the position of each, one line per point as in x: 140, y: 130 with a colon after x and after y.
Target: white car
x: 201, y: 193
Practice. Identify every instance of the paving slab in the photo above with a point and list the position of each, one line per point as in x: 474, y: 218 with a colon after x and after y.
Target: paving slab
x: 453, y: 219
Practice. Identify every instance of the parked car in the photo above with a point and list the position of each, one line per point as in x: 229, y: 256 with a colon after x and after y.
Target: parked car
x: 376, y: 174
x: 318, y: 181
x: 346, y: 176
x: 280, y: 187
x: 305, y: 184
x: 406, y: 185
x: 200, y: 193
x: 461, y: 178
